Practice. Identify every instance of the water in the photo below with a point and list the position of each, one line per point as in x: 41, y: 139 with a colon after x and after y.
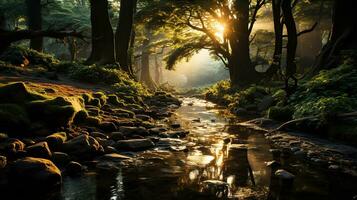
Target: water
x: 216, y: 161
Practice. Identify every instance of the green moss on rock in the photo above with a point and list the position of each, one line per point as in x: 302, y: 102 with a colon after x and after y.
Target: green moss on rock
x: 18, y: 93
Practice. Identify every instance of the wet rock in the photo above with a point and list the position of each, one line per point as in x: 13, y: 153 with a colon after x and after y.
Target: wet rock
x: 108, y: 126
x: 12, y: 146
x: 134, y: 144
x: 284, y: 175
x: 60, y: 158
x: 157, y: 130
x: 107, y: 168
x: 3, y: 162
x: 300, y: 154
x: 110, y: 149
x: 56, y: 140
x: 114, y: 157
x: 83, y: 145
x: 36, y: 173
x: 99, y: 135
x: 105, y: 142
x: 28, y: 142
x: 127, y: 131
x: 273, y: 165
x: 39, y: 150
x: 217, y: 188
x: 178, y: 148
x: 177, y: 134
x: 117, y: 136
x: 176, y: 125
x: 144, y: 117
x: 74, y: 168
x: 196, y: 120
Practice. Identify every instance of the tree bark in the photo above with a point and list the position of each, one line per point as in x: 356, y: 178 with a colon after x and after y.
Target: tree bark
x: 124, y: 32
x: 34, y: 22
x: 278, y: 47
x: 145, y: 65
x: 290, y: 25
x: 102, y: 34
x: 242, y: 72
x: 343, y: 35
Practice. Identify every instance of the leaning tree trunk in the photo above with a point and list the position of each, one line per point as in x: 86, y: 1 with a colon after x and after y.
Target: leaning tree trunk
x: 124, y: 32
x: 102, y: 34
x: 34, y: 22
x: 278, y: 47
x: 242, y: 72
x: 290, y: 25
x: 145, y: 65
x: 343, y: 34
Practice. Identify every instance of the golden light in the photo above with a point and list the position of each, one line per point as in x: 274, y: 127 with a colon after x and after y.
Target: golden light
x: 219, y: 30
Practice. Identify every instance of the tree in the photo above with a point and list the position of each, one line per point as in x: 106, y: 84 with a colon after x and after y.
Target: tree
x: 34, y: 21
x: 124, y: 33
x: 145, y: 75
x: 343, y: 35
x: 102, y: 34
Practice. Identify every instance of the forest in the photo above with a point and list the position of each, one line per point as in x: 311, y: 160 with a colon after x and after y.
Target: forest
x: 178, y: 99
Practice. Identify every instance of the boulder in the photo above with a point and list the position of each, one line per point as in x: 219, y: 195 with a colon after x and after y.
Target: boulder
x: 83, y: 146
x: 56, y: 140
x: 13, y: 118
x: 128, y: 130
x: 3, y: 162
x: 74, y: 168
x: 18, y: 93
x: 108, y: 126
x: 12, y: 146
x: 39, y: 150
x: 117, y: 136
x: 60, y: 158
x: 134, y: 144
x: 34, y: 173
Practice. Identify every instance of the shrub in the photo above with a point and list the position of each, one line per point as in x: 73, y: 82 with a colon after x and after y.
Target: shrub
x: 280, y: 113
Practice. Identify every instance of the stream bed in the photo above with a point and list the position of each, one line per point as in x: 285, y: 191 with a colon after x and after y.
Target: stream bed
x: 217, y: 160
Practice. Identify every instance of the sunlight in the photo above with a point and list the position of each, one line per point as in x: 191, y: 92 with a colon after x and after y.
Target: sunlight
x: 219, y: 29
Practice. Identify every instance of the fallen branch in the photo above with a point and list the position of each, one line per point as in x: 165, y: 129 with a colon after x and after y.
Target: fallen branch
x: 342, y: 115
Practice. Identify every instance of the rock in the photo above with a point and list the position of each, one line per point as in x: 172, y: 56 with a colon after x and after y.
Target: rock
x: 217, y: 188
x: 13, y: 118
x: 177, y: 134
x: 266, y: 103
x: 74, y: 168
x: 127, y: 131
x: 28, y: 142
x: 176, y: 125
x: 196, y: 120
x: 114, y: 157
x: 60, y: 158
x: 110, y: 149
x: 12, y: 146
x: 134, y: 144
x: 144, y: 117
x: 3, y: 162
x: 333, y: 167
x: 36, y: 173
x: 39, y: 150
x: 283, y: 174
x: 83, y: 145
x: 56, y: 140
x: 117, y: 136
x: 108, y: 126
x: 105, y: 142
x: 3, y: 137
x: 98, y: 134
x: 107, y: 168
x: 157, y: 130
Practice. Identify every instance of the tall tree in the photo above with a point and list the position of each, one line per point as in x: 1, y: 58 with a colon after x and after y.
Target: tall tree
x: 145, y: 75
x: 124, y: 33
x: 102, y: 34
x: 34, y: 22
x: 343, y: 34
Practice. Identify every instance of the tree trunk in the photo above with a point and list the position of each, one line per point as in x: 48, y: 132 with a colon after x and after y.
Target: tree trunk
x: 124, y: 32
x: 145, y: 65
x: 158, y: 71
x: 343, y: 35
x: 278, y: 47
x: 102, y: 34
x: 242, y: 72
x: 72, y: 46
x: 34, y: 22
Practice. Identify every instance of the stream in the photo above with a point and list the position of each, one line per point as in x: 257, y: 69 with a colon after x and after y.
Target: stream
x: 217, y: 160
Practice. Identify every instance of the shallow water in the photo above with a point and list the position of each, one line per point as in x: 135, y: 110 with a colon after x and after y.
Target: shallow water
x: 216, y: 161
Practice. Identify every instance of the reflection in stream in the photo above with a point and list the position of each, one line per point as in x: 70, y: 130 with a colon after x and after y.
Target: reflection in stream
x: 217, y: 160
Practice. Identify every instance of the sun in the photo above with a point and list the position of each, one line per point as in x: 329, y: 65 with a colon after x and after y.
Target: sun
x: 219, y: 30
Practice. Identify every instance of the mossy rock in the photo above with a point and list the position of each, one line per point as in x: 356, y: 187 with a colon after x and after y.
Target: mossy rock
x: 120, y: 111
x: 18, y: 93
x: 93, y: 121
x: 57, y: 112
x: 80, y: 117
x: 280, y: 113
x: 13, y: 118
x: 114, y: 100
x: 101, y: 96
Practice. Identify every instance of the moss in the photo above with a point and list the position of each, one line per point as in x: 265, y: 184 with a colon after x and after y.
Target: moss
x: 114, y: 100
x: 280, y: 113
x: 13, y: 118
x: 101, y: 96
x: 57, y: 112
x: 18, y: 93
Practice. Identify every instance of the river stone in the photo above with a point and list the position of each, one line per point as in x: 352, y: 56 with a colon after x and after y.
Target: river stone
x: 60, y: 158
x: 3, y: 162
x: 74, y: 168
x: 39, y: 150
x: 36, y: 173
x: 284, y: 175
x: 143, y: 117
x: 114, y: 157
x: 12, y: 146
x: 56, y: 140
x: 83, y: 145
x: 98, y: 134
x: 108, y: 126
x: 157, y: 130
x: 117, y: 136
x: 134, y: 144
x: 127, y: 131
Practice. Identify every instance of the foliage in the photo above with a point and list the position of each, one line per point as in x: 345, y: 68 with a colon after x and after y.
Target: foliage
x: 280, y: 113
